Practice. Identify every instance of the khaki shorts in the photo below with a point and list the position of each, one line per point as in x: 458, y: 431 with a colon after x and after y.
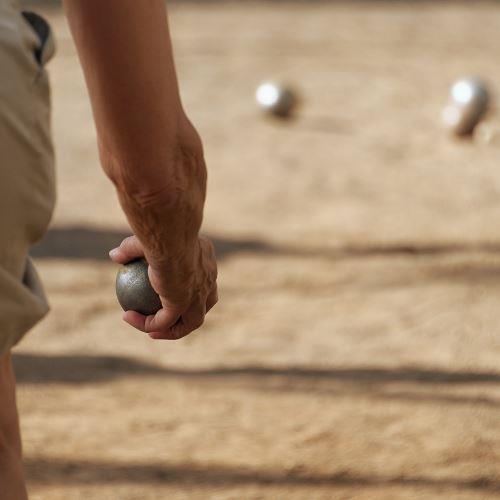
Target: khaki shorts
x: 27, y: 190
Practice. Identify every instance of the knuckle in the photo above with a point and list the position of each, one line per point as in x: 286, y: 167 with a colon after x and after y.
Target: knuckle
x: 151, y: 325
x: 198, y: 322
x: 178, y: 335
x: 127, y: 242
x: 211, y: 246
x: 178, y: 331
x: 208, y: 245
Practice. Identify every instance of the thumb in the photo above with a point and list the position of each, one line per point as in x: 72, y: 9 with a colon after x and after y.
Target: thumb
x: 130, y: 248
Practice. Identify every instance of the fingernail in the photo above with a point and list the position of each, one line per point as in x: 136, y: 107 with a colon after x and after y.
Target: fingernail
x: 113, y: 253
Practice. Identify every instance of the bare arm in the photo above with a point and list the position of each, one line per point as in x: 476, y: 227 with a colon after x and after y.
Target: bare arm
x: 150, y: 151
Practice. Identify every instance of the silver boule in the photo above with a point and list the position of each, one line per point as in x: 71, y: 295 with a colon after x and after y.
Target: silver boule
x: 468, y: 104
x: 133, y: 289
x: 275, y: 99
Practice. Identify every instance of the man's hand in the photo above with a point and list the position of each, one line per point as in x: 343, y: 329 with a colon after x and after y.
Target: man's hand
x: 152, y: 154
x: 184, y: 304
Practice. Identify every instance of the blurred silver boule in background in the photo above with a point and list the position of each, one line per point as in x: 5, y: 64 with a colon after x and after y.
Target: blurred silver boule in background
x: 275, y: 99
x: 469, y: 102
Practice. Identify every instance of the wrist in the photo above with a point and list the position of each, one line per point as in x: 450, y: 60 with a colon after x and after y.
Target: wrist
x: 166, y: 173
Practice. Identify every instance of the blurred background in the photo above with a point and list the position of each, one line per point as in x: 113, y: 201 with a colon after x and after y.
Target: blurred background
x: 355, y: 351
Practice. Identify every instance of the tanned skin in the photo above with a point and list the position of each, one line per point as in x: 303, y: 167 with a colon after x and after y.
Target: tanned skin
x: 12, y: 485
x: 152, y: 154
x: 154, y: 157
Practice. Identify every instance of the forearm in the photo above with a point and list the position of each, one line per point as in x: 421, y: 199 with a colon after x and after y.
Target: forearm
x: 125, y: 51
x: 146, y: 145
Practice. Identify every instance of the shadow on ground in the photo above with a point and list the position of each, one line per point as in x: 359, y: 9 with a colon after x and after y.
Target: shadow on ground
x: 33, y: 368
x: 58, y: 3
x: 54, y: 471
x: 420, y: 385
x: 79, y: 242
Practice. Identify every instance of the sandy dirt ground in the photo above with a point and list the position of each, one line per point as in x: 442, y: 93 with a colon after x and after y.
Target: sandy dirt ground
x: 355, y: 351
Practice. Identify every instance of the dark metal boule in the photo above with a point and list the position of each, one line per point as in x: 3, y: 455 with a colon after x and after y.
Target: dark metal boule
x: 469, y: 103
x: 133, y: 289
x: 276, y: 99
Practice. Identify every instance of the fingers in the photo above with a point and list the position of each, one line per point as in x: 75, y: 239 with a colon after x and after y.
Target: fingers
x: 174, y: 321
x: 162, y: 321
x: 130, y: 248
x: 177, y: 331
x: 169, y: 323
x: 157, y: 329
x: 189, y: 321
x: 135, y: 319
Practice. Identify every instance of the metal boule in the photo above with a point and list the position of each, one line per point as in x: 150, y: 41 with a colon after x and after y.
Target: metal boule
x: 134, y: 290
x: 276, y: 99
x: 468, y: 104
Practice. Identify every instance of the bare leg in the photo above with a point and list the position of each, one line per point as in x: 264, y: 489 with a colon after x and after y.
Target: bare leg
x: 12, y: 485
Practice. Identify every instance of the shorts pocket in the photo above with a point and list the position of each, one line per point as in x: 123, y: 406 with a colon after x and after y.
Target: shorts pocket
x: 45, y: 48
